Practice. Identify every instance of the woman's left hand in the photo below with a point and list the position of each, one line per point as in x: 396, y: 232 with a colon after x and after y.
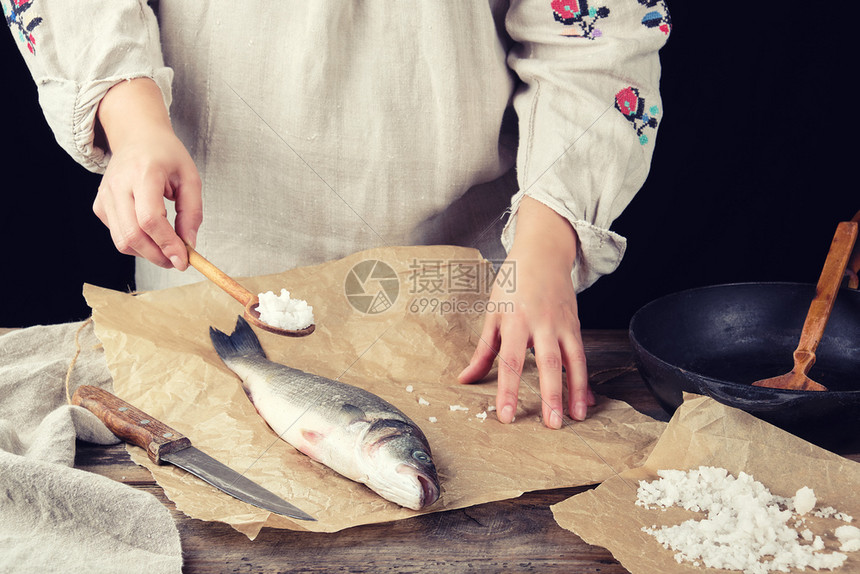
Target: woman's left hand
x: 537, y: 310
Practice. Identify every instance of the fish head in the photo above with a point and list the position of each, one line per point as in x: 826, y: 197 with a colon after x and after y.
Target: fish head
x: 398, y: 463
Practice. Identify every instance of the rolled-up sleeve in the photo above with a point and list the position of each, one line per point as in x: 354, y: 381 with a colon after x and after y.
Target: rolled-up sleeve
x: 589, y: 108
x: 76, y: 51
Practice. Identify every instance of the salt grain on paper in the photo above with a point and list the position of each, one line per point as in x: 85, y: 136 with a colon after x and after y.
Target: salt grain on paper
x: 482, y: 416
x: 804, y: 500
x: 745, y: 528
x: 409, y: 388
x: 849, y: 537
x: 423, y: 401
x: 432, y: 419
x: 458, y: 408
x: 829, y: 511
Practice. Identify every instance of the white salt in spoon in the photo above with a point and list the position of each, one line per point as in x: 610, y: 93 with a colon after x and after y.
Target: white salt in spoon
x: 240, y: 294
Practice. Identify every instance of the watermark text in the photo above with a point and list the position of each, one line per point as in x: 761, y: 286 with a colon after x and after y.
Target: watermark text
x: 444, y: 306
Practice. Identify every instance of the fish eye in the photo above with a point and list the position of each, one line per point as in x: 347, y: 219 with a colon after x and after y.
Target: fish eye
x: 420, y: 456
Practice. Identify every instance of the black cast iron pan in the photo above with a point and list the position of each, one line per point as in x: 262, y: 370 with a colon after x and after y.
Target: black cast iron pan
x: 717, y: 340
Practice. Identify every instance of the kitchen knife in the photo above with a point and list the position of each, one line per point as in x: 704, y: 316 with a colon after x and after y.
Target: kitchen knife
x: 164, y: 444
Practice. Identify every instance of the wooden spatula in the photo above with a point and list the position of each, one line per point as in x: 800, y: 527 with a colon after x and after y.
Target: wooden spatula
x: 818, y: 314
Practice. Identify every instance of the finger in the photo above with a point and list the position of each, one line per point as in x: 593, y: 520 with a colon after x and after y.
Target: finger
x: 484, y: 354
x: 549, y: 363
x: 104, y: 208
x: 512, y: 354
x: 590, y: 399
x: 151, y: 217
x: 573, y: 353
x: 189, y: 206
x: 99, y: 209
x: 126, y: 233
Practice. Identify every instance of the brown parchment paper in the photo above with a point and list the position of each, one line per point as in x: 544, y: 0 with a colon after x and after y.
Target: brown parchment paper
x: 703, y: 432
x: 158, y: 350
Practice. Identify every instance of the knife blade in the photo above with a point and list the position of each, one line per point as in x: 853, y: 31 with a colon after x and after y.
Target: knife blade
x: 164, y: 444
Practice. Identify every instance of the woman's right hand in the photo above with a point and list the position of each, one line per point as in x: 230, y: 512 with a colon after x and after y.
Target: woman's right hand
x: 148, y: 164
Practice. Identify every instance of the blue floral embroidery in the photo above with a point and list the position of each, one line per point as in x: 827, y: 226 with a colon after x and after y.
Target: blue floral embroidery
x: 578, y: 13
x: 16, y: 18
x: 633, y: 108
x: 659, y: 18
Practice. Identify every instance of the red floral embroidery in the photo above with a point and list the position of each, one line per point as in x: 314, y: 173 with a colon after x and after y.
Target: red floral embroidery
x: 566, y: 9
x: 632, y: 107
x: 577, y: 13
x: 16, y: 19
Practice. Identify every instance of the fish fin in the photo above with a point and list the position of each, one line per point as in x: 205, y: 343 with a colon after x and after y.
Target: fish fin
x: 312, y: 437
x: 241, y: 343
x: 310, y: 446
x: 352, y: 413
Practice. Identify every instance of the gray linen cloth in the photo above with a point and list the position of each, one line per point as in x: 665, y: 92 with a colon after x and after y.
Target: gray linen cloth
x: 53, y: 517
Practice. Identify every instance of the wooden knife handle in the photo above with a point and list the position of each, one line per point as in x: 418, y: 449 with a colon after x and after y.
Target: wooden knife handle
x: 130, y: 423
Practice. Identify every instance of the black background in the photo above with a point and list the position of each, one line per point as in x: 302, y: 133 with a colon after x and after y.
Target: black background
x: 753, y: 169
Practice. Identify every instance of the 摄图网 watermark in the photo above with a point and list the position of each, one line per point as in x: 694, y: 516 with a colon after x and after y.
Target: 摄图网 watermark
x: 432, y: 285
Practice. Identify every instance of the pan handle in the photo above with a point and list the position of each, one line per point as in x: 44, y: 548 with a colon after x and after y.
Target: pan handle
x: 853, y: 268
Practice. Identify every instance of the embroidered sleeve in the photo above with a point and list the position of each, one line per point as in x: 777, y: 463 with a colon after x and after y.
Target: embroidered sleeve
x: 76, y: 50
x: 589, y: 109
x: 21, y: 23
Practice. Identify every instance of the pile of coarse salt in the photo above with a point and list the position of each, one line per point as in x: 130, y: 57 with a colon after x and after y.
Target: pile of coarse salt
x: 283, y: 312
x: 746, y: 527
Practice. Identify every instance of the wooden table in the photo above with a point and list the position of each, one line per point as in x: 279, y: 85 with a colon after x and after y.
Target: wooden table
x: 517, y: 535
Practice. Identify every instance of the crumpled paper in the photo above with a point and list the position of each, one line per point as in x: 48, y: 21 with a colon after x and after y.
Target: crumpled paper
x: 158, y: 350
x: 703, y: 432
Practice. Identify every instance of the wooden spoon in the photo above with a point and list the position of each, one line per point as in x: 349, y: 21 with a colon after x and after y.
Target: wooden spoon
x: 240, y: 294
x: 818, y: 314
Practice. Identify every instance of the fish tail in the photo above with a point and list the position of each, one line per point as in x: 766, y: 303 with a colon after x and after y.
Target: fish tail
x: 242, y: 343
